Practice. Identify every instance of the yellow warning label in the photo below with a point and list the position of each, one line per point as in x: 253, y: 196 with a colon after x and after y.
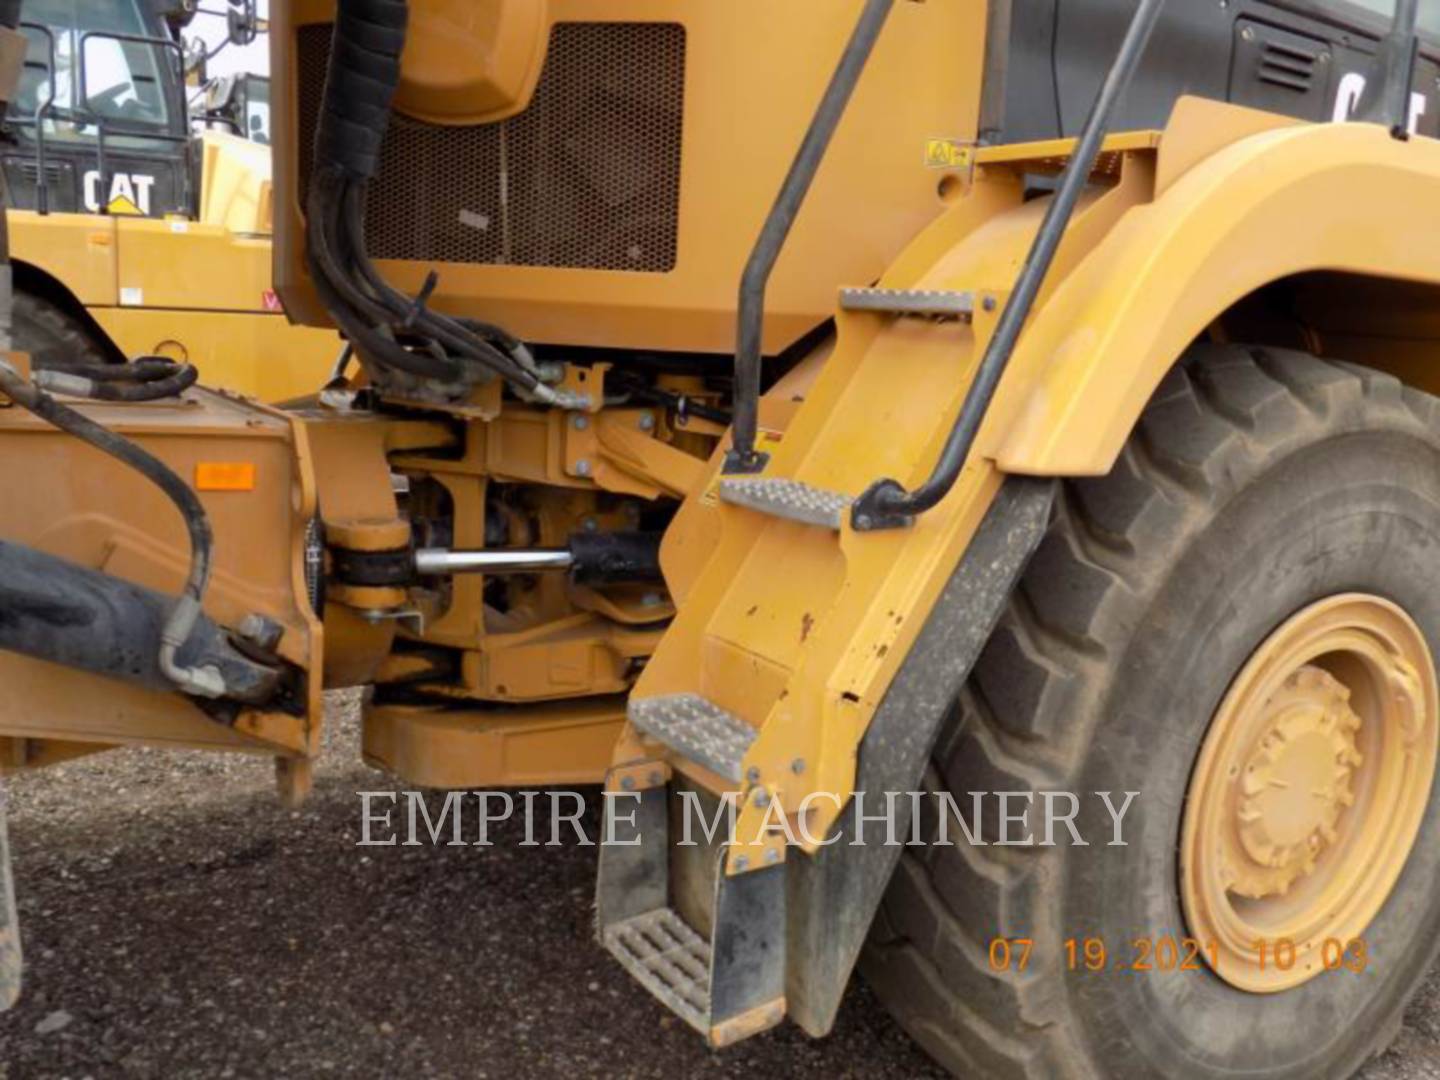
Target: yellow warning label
x: 765, y: 441
x: 947, y: 154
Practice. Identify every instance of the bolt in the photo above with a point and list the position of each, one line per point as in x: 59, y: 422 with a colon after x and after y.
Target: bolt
x: 988, y: 303
x: 654, y: 779
x: 753, y: 774
x: 772, y: 856
x: 863, y: 522
x: 1247, y: 34
x: 742, y: 862
x: 647, y: 422
x: 580, y: 423
x: 582, y: 467
x: 628, y: 783
x: 589, y: 524
x: 797, y: 766
x: 650, y: 599
x: 762, y: 798
x: 262, y: 632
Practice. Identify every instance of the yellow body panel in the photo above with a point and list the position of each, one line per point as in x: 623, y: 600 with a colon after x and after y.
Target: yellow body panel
x: 1268, y: 206
x: 192, y: 290
x: 568, y: 743
x: 259, y: 354
x: 235, y: 183
x: 754, y: 71
x: 801, y: 634
x: 78, y: 250
x: 73, y: 501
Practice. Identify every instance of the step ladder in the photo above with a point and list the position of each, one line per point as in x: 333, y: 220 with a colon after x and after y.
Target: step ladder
x: 927, y: 303
x: 728, y: 986
x: 726, y: 979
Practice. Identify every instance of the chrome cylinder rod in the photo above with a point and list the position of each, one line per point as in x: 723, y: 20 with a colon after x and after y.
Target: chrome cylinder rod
x: 434, y: 561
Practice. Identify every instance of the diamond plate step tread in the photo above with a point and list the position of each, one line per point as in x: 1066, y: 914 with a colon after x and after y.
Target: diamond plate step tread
x: 697, y: 728
x: 668, y: 958
x: 909, y: 301
x: 789, y: 499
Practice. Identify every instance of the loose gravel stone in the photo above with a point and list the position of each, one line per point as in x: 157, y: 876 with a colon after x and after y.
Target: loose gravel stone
x: 191, y: 926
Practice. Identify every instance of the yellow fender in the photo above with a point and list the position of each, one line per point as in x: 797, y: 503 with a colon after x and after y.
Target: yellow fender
x: 1294, y: 198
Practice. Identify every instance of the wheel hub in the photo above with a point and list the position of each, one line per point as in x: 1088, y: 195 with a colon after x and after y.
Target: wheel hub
x: 1309, y: 790
x: 1296, y: 782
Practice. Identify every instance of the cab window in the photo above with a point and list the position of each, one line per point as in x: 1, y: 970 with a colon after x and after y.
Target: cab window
x: 125, y: 83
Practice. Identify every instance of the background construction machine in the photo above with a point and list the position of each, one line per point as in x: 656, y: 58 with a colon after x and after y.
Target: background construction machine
x: 1095, y: 471
x: 130, y: 234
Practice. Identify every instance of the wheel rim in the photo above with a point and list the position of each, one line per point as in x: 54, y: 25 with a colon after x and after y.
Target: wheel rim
x: 1309, y: 792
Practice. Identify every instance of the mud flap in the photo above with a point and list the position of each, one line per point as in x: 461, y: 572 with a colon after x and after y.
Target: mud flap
x: 832, y: 898
x: 9, y: 920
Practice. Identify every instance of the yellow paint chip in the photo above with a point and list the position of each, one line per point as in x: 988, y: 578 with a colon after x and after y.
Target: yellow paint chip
x: 225, y: 476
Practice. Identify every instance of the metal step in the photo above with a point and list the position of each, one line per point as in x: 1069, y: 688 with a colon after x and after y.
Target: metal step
x: 669, y: 959
x: 789, y: 499
x: 936, y: 303
x: 696, y: 728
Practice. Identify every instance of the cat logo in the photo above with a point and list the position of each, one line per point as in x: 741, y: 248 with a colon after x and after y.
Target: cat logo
x: 129, y: 193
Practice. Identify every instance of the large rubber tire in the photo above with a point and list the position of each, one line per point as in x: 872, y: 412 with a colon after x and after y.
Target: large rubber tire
x: 1258, y: 482
x: 50, y: 336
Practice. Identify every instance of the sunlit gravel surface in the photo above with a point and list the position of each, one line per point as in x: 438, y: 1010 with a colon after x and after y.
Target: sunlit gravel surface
x: 179, y: 922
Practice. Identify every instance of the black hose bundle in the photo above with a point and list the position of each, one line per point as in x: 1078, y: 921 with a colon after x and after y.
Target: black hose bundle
x: 147, y: 378
x: 398, y: 337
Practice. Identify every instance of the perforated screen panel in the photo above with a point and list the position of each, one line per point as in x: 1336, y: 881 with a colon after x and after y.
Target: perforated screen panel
x: 587, y: 177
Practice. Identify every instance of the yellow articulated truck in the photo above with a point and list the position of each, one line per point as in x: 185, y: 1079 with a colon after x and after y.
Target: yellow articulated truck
x: 129, y: 235
x: 988, y: 451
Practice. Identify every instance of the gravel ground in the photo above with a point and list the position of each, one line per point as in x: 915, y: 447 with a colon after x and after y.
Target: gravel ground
x: 179, y: 922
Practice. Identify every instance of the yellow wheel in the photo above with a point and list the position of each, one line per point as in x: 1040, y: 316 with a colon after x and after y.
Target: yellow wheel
x: 1308, y: 793
x: 1232, y: 635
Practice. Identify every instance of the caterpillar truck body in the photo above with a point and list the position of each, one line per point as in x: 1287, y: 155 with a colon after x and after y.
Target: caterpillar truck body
x: 131, y: 234
x: 791, y: 407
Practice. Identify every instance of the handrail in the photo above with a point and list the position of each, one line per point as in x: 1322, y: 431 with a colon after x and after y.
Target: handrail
x: 42, y: 109
x: 743, y: 457
x: 886, y: 504
x: 1387, y: 99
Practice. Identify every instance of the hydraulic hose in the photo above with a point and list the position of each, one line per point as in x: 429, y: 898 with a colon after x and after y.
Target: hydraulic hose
x: 201, y: 681
x: 147, y: 379
x: 391, y: 331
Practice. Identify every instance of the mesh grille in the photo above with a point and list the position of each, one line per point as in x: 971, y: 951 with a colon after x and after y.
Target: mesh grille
x: 587, y: 177
x: 312, y: 57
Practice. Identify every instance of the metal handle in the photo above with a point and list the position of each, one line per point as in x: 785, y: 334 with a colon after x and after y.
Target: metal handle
x: 886, y: 503
x: 742, y: 457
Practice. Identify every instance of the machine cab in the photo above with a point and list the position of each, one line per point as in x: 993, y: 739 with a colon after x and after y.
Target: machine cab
x: 100, y: 122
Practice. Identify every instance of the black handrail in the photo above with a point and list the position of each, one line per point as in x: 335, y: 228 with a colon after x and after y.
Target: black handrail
x: 1387, y: 99
x: 886, y: 504
x: 743, y: 457
x: 42, y: 109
